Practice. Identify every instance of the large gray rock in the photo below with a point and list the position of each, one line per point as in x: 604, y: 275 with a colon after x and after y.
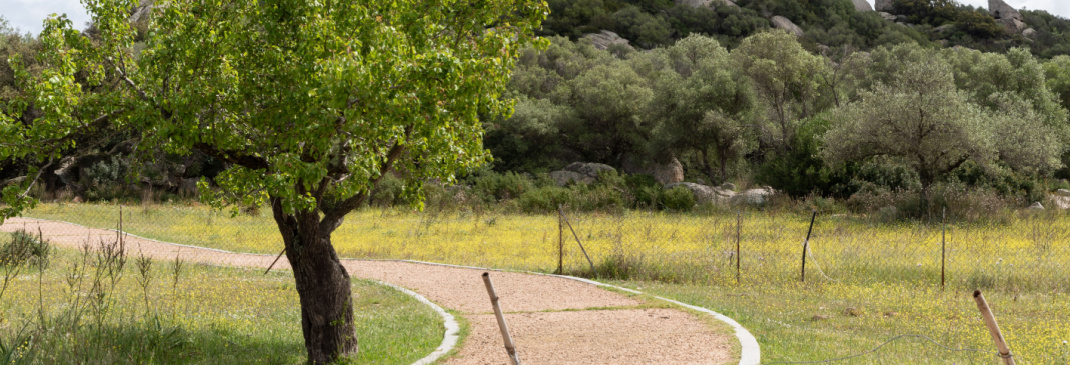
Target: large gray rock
x: 605, y: 38
x: 143, y: 8
x: 754, y: 196
x: 562, y: 178
x: 780, y: 22
x: 887, y: 16
x: 862, y: 5
x: 1000, y: 10
x: 1029, y: 32
x: 1062, y: 192
x: 1036, y: 206
x: 705, y: 194
x: 882, y: 5
x: 589, y: 169
x: 1061, y: 202
x: 1011, y: 24
x: 670, y: 173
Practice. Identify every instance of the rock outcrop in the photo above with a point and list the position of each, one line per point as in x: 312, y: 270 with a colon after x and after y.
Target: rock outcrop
x: 670, y: 173
x: 667, y: 173
x: 1006, y: 15
x: 590, y: 169
x: 780, y: 22
x: 580, y: 172
x: 562, y: 178
x: 1000, y: 9
x: 705, y: 194
x: 887, y: 16
x: 143, y: 8
x: 605, y: 38
x: 862, y: 5
x: 754, y: 196
x: 882, y: 5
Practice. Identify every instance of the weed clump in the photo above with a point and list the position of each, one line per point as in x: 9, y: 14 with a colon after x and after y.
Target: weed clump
x: 25, y: 249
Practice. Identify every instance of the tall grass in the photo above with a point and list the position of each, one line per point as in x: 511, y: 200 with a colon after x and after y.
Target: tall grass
x: 100, y: 305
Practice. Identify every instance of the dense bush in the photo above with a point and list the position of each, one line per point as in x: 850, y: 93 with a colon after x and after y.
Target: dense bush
x: 678, y: 199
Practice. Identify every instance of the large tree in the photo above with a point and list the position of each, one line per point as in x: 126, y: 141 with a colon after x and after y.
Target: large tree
x: 702, y: 105
x: 916, y: 114
x: 310, y: 104
x: 785, y: 77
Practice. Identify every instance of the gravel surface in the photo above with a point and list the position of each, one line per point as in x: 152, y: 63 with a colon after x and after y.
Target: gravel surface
x: 552, y: 320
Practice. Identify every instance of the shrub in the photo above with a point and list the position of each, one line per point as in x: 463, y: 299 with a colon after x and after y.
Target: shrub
x: 545, y: 199
x: 642, y: 191
x: 25, y: 249
x: 493, y: 187
x: 678, y: 198
x: 596, y: 198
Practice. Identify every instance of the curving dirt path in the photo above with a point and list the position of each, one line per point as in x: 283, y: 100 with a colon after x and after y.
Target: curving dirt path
x: 553, y: 320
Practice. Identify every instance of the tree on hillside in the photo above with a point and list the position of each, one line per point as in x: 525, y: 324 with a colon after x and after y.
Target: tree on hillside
x: 702, y: 105
x: 920, y: 117
x: 785, y: 78
x: 310, y: 103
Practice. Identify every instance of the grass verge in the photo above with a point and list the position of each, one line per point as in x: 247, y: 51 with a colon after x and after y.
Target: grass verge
x: 75, y: 311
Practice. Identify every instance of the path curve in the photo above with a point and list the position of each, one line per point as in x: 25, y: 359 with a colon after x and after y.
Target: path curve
x: 553, y: 319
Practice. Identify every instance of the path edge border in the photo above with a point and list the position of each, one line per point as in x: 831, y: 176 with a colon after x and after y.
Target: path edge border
x: 750, y: 351
x: 749, y: 354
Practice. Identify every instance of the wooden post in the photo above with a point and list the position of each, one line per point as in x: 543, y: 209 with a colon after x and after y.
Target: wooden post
x: 276, y: 259
x: 806, y: 246
x: 993, y: 328
x: 943, y: 246
x: 577, y: 237
x: 509, y: 348
x: 560, y: 242
x: 739, y: 225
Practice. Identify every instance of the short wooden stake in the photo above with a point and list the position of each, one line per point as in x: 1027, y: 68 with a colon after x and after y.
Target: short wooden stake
x: 943, y: 246
x: 739, y: 225
x: 993, y: 328
x: 276, y: 260
x: 806, y: 246
x: 560, y: 242
x: 577, y: 237
x: 509, y: 348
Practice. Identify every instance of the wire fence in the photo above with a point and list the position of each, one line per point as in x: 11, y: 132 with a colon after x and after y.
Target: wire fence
x: 1028, y: 254
x: 750, y: 247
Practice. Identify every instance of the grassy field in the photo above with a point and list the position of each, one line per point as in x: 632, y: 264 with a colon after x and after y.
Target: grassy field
x: 74, y: 312
x: 888, y: 274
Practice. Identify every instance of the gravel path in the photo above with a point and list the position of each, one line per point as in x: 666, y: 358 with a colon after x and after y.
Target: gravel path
x: 553, y: 320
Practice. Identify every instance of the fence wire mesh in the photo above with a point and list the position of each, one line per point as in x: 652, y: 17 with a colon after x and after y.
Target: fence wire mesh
x: 1024, y: 254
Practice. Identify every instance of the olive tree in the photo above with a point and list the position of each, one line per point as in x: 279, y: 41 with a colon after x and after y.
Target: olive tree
x: 785, y: 77
x: 309, y: 103
x: 702, y: 105
x: 916, y: 114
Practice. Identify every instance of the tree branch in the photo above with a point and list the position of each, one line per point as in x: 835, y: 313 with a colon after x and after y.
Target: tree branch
x: 244, y: 160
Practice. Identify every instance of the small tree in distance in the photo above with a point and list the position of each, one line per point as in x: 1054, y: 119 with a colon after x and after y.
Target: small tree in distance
x: 921, y: 118
x: 310, y: 103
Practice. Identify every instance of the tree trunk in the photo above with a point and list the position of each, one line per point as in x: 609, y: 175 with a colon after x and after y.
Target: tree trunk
x: 323, y: 285
x: 708, y: 167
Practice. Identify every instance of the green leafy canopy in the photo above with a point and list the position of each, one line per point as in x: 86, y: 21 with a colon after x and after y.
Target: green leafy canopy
x: 309, y: 102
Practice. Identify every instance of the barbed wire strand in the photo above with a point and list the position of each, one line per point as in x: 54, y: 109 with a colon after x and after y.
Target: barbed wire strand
x: 882, y: 345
